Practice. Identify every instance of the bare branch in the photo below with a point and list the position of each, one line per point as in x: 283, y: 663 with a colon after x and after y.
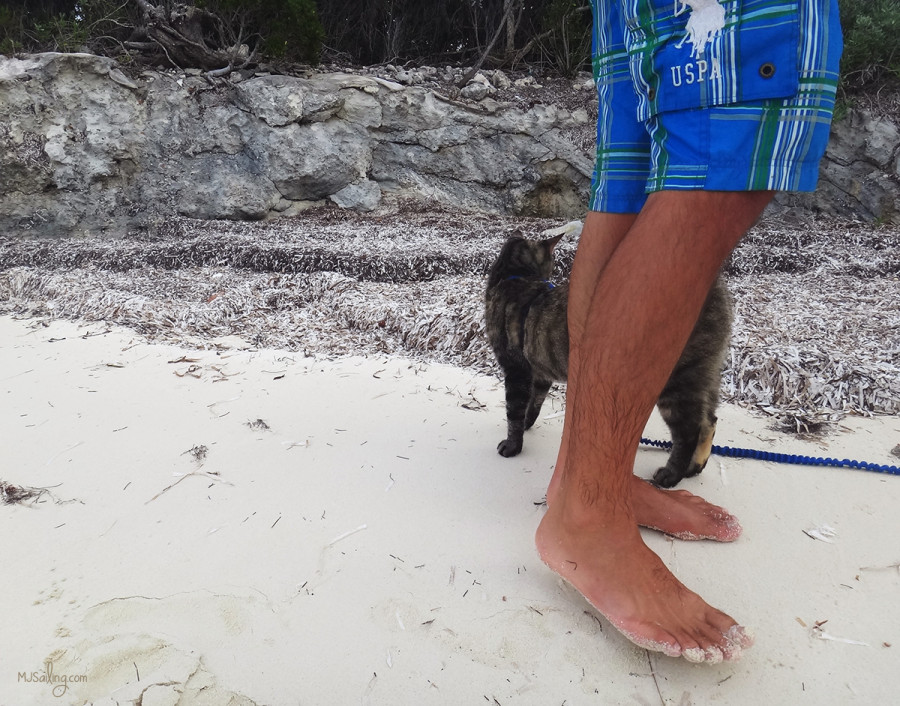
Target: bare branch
x: 478, y: 64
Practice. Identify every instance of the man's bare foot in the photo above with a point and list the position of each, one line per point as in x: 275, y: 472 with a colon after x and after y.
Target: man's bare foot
x: 681, y: 514
x: 675, y: 512
x: 629, y: 585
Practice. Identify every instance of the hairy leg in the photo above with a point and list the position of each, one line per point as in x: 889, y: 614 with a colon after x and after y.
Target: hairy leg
x: 600, y: 237
x: 682, y: 514
x: 642, y: 311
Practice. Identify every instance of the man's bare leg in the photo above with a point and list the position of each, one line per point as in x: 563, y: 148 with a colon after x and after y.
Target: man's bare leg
x: 643, y: 309
x: 599, y: 239
x: 678, y: 513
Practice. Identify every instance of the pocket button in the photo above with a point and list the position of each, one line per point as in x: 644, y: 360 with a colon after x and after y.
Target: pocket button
x: 767, y: 70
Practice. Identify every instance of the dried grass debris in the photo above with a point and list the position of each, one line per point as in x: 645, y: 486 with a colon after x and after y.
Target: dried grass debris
x: 29, y: 496
x: 817, y: 330
x: 20, y: 494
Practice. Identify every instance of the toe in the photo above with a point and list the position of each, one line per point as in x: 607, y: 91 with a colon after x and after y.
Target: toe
x: 732, y: 641
x: 740, y: 635
x: 669, y: 650
x: 694, y: 654
x: 731, y: 652
x: 714, y: 655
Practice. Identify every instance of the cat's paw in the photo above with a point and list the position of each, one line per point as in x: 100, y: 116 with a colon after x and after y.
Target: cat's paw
x: 667, y: 477
x: 509, y: 448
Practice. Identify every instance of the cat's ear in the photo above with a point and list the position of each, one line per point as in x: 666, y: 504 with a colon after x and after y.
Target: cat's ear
x: 551, y: 243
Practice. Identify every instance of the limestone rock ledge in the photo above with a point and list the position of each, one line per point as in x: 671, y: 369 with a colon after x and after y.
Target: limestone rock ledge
x: 85, y: 149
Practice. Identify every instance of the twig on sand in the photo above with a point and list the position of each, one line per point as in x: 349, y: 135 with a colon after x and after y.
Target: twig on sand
x: 211, y: 476
x: 473, y: 404
x: 655, y: 681
x: 595, y: 619
x: 823, y: 533
x: 345, y: 535
x: 881, y: 568
x: 60, y: 453
x: 184, y: 359
x: 211, y: 407
x: 198, y: 453
x: 817, y: 632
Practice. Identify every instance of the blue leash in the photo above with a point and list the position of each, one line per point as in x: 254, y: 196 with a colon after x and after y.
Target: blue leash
x: 788, y: 458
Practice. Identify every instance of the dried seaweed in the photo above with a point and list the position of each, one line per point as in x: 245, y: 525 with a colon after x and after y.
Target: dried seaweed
x: 198, y: 453
x: 812, y: 348
x: 20, y: 494
x: 27, y: 495
x: 817, y: 330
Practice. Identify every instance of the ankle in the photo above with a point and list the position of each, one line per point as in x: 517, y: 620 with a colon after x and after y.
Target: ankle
x: 575, y: 512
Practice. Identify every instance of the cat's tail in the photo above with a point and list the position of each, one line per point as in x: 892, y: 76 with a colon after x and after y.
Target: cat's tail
x: 570, y: 228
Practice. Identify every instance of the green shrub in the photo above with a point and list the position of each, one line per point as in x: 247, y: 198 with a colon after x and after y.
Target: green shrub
x: 292, y: 30
x: 568, y: 47
x: 62, y: 25
x: 288, y: 29
x: 11, y: 30
x: 871, y: 41
x: 430, y: 28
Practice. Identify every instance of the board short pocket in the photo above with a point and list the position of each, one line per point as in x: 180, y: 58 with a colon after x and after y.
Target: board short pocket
x: 755, y: 57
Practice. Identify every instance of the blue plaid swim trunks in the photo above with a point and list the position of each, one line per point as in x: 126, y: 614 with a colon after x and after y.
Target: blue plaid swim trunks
x: 722, y: 95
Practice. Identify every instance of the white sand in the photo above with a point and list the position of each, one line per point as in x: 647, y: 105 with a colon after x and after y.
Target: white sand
x: 370, y: 546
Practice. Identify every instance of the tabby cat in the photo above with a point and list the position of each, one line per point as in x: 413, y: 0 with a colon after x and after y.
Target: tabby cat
x: 526, y: 324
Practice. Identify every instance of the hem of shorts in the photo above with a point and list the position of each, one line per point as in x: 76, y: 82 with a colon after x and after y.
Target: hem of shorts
x: 618, y: 203
x: 799, y: 178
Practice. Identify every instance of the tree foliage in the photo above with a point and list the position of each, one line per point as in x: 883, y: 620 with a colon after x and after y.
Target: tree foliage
x: 871, y: 41
x: 287, y: 29
x: 227, y: 34
x: 550, y: 32
x: 211, y: 34
x: 64, y: 25
x: 206, y: 34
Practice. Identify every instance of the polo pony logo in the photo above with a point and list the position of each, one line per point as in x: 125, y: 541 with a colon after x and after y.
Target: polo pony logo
x: 706, y: 21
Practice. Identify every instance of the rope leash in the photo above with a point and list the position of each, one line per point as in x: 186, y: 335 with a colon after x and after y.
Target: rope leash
x: 788, y: 458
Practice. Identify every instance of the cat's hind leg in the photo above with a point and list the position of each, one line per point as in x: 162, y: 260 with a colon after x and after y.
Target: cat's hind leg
x: 517, y: 381
x: 688, y: 408
x: 539, y: 390
x: 685, y: 430
x: 690, y: 452
x: 704, y: 446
